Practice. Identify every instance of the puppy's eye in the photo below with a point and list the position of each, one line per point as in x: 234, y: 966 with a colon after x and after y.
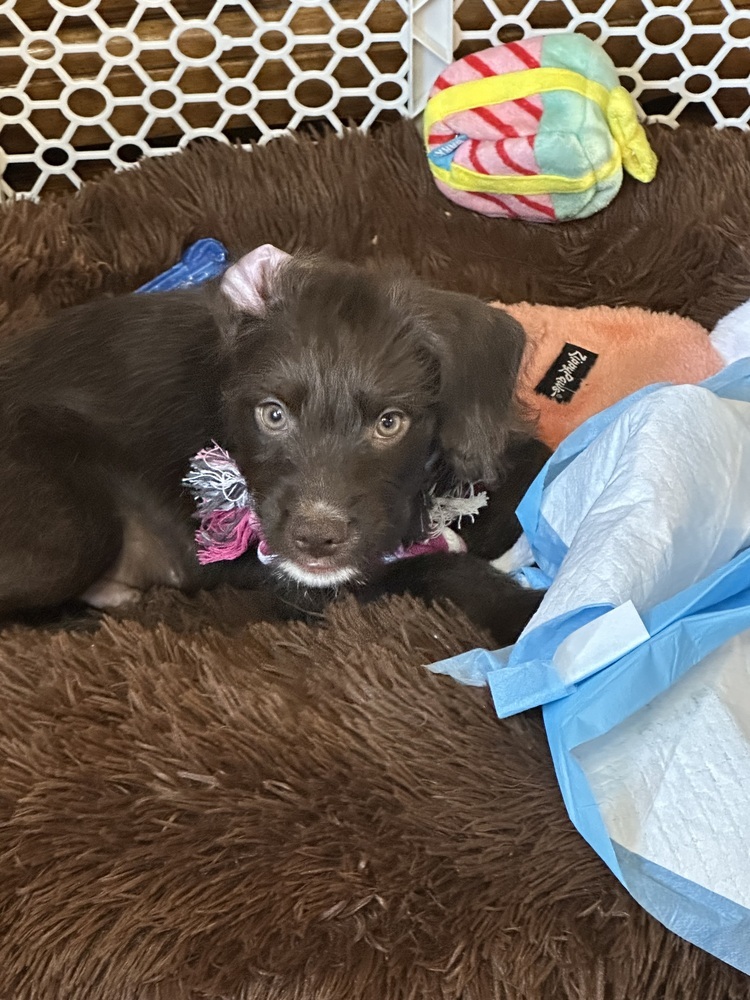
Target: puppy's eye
x: 271, y: 416
x: 390, y: 425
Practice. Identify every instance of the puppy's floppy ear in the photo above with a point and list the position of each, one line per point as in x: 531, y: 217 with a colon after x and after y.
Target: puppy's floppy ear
x: 246, y: 284
x: 479, y: 350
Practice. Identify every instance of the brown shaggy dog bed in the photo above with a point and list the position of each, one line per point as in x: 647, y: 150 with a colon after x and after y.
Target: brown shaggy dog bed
x: 198, y: 805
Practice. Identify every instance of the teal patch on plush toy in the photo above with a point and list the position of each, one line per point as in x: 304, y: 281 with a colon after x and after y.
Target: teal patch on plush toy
x: 539, y: 130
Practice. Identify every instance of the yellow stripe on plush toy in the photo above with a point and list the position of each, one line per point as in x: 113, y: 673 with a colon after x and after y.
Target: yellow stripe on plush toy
x: 463, y: 179
x: 560, y: 131
x: 638, y: 157
x: 511, y: 87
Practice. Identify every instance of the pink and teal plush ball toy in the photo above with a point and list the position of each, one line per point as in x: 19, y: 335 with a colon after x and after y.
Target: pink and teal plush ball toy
x: 539, y: 129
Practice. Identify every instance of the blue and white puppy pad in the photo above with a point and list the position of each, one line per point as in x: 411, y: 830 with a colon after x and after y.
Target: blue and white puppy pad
x: 640, y: 651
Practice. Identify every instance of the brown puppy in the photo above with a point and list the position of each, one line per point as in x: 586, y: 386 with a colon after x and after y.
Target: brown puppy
x: 343, y: 396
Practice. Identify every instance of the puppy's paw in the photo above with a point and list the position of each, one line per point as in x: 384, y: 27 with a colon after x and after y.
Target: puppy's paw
x: 490, y: 599
x: 106, y: 593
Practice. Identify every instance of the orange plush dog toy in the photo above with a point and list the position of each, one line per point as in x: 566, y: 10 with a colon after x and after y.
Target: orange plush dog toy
x: 578, y: 362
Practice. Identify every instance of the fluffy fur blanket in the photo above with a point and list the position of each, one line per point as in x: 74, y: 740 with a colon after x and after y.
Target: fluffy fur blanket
x: 195, y: 805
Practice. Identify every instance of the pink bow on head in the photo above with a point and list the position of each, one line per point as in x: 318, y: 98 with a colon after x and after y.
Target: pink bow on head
x: 246, y: 283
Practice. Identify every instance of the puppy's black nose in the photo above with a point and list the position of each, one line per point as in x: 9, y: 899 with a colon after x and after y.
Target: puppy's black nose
x: 320, y: 535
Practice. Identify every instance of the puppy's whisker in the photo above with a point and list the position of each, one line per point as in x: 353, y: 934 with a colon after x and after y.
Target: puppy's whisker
x: 302, y: 609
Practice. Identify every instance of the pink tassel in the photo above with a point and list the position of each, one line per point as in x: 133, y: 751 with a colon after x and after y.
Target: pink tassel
x: 446, y: 541
x: 227, y: 534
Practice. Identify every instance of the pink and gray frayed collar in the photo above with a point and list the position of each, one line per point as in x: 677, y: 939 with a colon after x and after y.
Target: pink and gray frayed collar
x: 229, y: 524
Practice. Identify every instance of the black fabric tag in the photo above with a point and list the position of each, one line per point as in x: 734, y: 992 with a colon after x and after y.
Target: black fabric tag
x: 570, y: 368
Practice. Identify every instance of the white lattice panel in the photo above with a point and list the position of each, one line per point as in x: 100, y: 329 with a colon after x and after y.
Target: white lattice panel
x: 689, y: 53
x: 91, y: 82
